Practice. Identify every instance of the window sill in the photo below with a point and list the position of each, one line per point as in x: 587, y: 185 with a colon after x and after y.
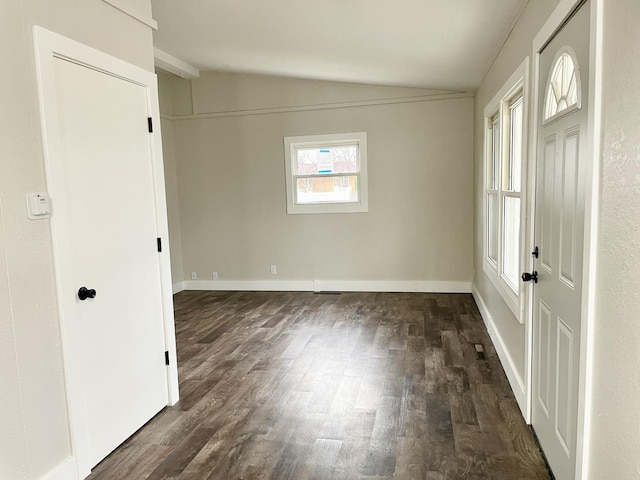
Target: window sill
x: 328, y: 208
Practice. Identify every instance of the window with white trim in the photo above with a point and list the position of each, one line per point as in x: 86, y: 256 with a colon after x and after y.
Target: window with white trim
x: 563, y: 87
x: 326, y: 173
x: 505, y: 143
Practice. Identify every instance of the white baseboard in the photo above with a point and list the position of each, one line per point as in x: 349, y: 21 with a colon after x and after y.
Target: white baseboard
x: 251, y: 285
x: 391, y: 286
x: 328, y: 286
x: 178, y: 287
x: 515, y: 380
x: 67, y: 470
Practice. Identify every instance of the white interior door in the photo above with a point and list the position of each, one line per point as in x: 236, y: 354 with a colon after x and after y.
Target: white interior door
x: 559, y: 235
x: 106, y: 233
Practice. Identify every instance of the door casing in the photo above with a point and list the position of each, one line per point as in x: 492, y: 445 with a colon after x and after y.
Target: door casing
x: 48, y: 46
x: 557, y: 19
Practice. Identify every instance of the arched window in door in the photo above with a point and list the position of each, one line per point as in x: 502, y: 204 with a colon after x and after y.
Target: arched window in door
x: 563, y: 86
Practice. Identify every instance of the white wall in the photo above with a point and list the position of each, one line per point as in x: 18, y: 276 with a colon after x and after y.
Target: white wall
x: 517, y: 47
x: 615, y: 437
x: 170, y: 179
x: 34, y: 434
x: 231, y: 183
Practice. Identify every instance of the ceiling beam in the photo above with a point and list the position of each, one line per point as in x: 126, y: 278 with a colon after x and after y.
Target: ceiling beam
x: 174, y: 65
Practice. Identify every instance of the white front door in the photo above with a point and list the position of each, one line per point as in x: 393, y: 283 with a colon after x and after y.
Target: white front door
x: 559, y: 234
x: 105, y: 230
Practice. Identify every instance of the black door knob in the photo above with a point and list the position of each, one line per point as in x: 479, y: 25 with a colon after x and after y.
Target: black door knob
x: 527, y: 277
x: 85, y: 293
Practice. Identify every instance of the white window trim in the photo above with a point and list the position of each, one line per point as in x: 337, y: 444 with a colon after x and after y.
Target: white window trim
x: 518, y: 81
x: 290, y: 143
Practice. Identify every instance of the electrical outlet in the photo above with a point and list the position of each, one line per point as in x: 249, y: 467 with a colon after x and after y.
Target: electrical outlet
x: 194, y: 276
x: 214, y: 276
x: 274, y: 270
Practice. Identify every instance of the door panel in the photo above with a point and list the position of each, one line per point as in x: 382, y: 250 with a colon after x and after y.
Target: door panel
x: 118, y: 337
x: 568, y: 210
x: 564, y: 377
x: 559, y: 233
x: 546, y: 224
x: 544, y: 360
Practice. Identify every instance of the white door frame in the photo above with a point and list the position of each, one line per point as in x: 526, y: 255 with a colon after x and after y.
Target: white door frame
x: 48, y: 47
x: 546, y: 33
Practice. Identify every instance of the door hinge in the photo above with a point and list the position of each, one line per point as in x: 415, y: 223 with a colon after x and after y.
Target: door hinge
x: 150, y: 124
x: 159, y: 244
x: 166, y: 358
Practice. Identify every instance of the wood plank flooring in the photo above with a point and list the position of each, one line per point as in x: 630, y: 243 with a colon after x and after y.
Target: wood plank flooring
x: 374, y: 386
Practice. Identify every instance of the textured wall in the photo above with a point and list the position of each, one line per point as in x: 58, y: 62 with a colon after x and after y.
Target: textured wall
x: 615, y: 449
x: 517, y: 47
x: 34, y: 432
x: 231, y: 185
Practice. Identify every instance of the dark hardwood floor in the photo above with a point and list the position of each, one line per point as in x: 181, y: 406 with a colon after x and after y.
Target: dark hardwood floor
x: 332, y: 386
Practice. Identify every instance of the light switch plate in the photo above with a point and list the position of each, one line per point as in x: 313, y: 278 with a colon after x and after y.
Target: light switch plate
x: 38, y: 205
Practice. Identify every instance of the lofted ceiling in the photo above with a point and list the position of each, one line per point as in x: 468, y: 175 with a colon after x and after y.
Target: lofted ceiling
x: 447, y: 44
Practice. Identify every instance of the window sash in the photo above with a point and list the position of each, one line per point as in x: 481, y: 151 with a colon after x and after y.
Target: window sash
x: 325, y: 145
x: 513, y: 163
x: 510, y: 251
x: 493, y: 227
x: 505, y: 156
x: 325, y: 176
x: 495, y: 153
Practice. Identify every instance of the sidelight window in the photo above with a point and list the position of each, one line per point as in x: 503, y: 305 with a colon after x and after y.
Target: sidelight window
x: 504, y: 166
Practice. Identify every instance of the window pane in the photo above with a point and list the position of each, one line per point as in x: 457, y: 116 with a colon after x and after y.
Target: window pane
x: 516, y: 147
x: 511, y: 242
x: 327, y: 160
x: 492, y: 227
x: 494, y: 171
x: 562, y: 90
x: 329, y: 189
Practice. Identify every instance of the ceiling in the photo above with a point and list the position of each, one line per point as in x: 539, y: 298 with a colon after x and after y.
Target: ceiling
x: 446, y: 44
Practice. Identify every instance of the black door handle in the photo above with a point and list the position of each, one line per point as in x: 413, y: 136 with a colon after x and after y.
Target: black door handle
x: 85, y: 293
x: 527, y: 277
